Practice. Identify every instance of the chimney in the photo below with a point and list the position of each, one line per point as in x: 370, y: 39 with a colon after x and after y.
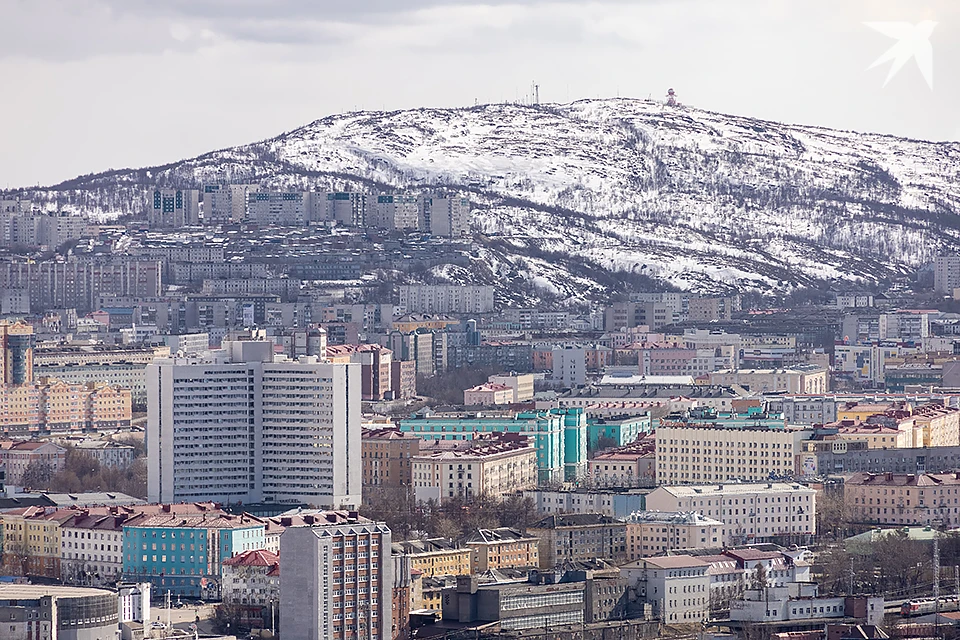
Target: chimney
x: 166, y: 508
x: 286, y: 522
x: 308, y: 520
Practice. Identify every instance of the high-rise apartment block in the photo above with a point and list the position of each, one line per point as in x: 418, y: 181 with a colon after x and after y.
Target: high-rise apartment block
x: 173, y: 208
x: 447, y: 217
x: 346, y: 208
x: 285, y: 208
x: 238, y: 426
x: 16, y: 353
x: 946, y: 274
x: 337, y: 578
x: 395, y: 212
x: 446, y: 298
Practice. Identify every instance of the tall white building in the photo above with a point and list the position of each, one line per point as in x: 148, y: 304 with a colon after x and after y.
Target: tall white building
x: 173, y: 207
x: 448, y: 217
x: 570, y: 365
x: 237, y: 426
x: 946, y: 274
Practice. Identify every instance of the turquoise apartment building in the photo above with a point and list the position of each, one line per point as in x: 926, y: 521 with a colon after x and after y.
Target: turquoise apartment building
x: 559, y: 436
x: 183, y: 554
x: 621, y: 430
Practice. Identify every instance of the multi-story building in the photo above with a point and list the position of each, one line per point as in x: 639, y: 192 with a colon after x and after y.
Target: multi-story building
x: 225, y: 203
x: 286, y: 208
x: 946, y: 274
x: 31, y: 543
x: 632, y: 465
x: 484, y: 466
x: 173, y: 208
x: 929, y: 425
x: 435, y: 557
x: 570, y: 366
x: 387, y: 455
x: 337, y: 579
x: 699, y: 454
x: 395, y: 212
x: 16, y: 353
x: 375, y: 367
x: 903, y: 499
x: 678, y: 587
x: 239, y: 426
x: 487, y: 394
x: 56, y: 406
x: 343, y: 207
x: 184, y: 553
x: 749, y: 512
x: 804, y: 379
x: 521, y: 383
x: 559, y: 436
x: 16, y: 456
x: 575, y: 537
x: 651, y: 533
x: 108, y: 453
x: 448, y: 217
x: 834, y: 460
x: 114, y: 365
x: 712, y: 309
x: 616, y: 431
x: 54, y: 612
x: 91, y: 547
x: 446, y: 298
x: 77, y: 283
x: 503, y: 548
x: 252, y: 580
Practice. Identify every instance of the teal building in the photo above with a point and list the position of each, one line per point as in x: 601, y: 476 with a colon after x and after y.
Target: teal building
x: 617, y: 431
x: 559, y: 436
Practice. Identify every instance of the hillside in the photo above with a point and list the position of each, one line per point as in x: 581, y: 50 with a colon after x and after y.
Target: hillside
x: 574, y: 197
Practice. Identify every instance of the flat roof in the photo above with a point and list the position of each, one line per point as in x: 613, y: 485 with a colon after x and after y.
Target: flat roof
x: 36, y: 591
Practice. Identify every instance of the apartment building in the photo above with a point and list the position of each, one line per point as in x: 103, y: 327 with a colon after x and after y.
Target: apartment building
x: 559, y: 435
x: 394, y: 212
x: 446, y: 298
x: 31, y: 542
x: 502, y: 548
x: 931, y: 499
x: 342, y: 207
x: 448, y: 217
x: 16, y: 353
x: 173, y: 208
x: 108, y: 453
x: 946, y: 274
x: 803, y: 379
x: 387, y: 455
x: 749, y: 512
x: 489, y: 393
x: 184, y: 553
x: 929, y: 425
x: 283, y: 208
x: 375, y: 367
x: 677, y: 587
x: 522, y: 385
x: 225, y: 203
x: 651, y: 533
x: 16, y: 456
x: 55, y: 406
x: 79, y: 282
x: 575, y: 537
x: 337, y: 579
x: 435, y: 557
x: 238, y: 425
x: 252, y: 580
x: 698, y: 454
x: 623, y: 467
x: 484, y: 466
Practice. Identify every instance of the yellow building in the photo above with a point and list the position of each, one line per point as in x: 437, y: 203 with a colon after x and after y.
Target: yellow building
x: 651, y: 533
x: 902, y: 499
x: 31, y: 542
x: 503, y: 548
x: 931, y: 425
x: 54, y: 405
x: 859, y: 412
x: 876, y: 436
x: 436, y: 557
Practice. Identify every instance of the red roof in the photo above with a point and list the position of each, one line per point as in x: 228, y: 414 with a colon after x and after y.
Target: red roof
x: 257, y: 558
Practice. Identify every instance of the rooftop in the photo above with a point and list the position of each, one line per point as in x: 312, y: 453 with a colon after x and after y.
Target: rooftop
x: 37, y: 591
x: 672, y: 517
x: 575, y: 520
x: 256, y: 558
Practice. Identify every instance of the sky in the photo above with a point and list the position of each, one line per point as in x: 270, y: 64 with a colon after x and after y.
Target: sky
x: 91, y: 85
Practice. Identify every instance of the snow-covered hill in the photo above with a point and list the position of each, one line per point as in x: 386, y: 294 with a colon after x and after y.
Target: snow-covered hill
x: 565, y: 193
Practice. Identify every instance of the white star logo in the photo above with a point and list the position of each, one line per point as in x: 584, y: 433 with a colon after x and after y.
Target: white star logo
x: 913, y: 41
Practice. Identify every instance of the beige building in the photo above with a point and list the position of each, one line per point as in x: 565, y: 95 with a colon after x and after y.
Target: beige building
x: 690, y: 454
x: 503, y: 548
x: 749, y: 512
x: 651, y: 533
x: 801, y: 379
x: 876, y: 436
x: 487, y: 394
x: 17, y: 456
x: 931, y: 499
x: 930, y: 425
x: 522, y: 385
x: 387, y: 456
x: 490, y: 466
x: 582, y: 536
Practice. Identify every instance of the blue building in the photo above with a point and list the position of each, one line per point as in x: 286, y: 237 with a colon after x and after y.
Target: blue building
x: 183, y: 554
x: 559, y: 436
x: 620, y: 430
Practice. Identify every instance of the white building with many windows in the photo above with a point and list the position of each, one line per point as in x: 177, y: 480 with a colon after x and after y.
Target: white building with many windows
x: 446, y: 298
x: 239, y: 425
x: 749, y: 512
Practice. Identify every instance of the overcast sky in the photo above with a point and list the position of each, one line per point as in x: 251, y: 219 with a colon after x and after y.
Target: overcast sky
x: 88, y: 85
